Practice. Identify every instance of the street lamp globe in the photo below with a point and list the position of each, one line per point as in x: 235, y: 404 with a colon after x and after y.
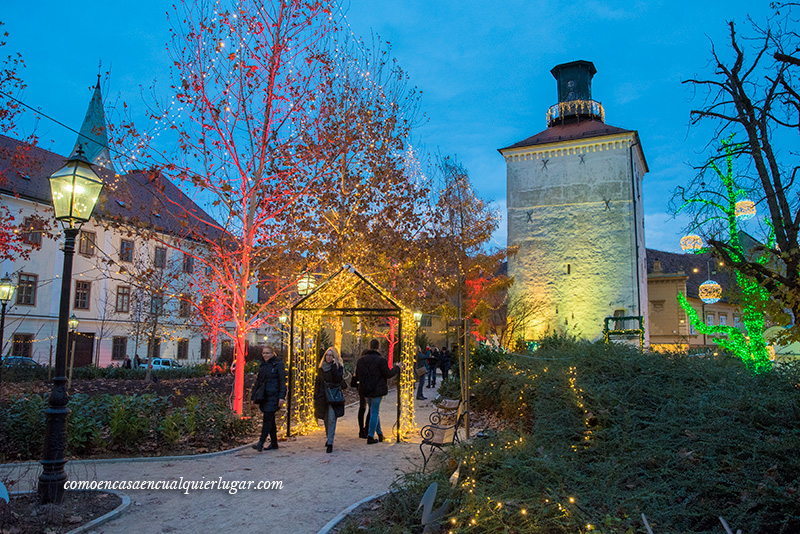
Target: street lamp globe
x: 7, y: 288
x: 75, y: 189
x: 283, y: 318
x: 418, y: 317
x: 73, y: 323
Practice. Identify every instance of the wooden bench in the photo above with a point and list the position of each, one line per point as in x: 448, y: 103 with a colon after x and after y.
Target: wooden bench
x: 442, y: 432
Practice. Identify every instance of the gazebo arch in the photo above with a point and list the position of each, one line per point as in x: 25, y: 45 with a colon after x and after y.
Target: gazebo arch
x: 347, y: 293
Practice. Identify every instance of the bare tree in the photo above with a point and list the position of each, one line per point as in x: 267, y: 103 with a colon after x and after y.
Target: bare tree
x: 754, y: 95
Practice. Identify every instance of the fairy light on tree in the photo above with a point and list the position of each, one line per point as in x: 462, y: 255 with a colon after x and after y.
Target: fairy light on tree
x: 716, y: 210
x: 245, y: 74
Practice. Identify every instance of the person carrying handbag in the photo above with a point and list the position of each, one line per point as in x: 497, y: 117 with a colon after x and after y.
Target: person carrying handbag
x: 269, y: 392
x: 328, y: 394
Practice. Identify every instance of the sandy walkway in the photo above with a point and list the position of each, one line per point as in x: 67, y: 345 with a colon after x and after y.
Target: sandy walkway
x: 316, y: 485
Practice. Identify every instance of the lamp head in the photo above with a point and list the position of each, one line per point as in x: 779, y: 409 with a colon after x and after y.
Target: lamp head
x: 75, y: 189
x: 7, y: 288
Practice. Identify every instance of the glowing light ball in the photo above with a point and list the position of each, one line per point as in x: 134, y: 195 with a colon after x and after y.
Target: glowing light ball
x: 710, y: 292
x: 691, y: 242
x: 745, y: 210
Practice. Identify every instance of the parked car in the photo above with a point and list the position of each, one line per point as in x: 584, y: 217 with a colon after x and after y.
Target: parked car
x: 20, y: 361
x: 161, y: 363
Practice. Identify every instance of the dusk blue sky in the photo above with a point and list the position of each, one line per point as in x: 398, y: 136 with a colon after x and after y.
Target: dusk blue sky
x: 483, y: 68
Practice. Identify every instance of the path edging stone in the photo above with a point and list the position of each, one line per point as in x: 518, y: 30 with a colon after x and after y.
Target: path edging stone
x: 341, y: 516
x: 96, y: 522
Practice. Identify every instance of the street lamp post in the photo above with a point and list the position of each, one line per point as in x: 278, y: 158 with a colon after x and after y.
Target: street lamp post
x: 6, y: 290
x: 75, y: 189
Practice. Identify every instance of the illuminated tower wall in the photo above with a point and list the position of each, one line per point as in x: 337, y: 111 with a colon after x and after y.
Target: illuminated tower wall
x: 574, y: 196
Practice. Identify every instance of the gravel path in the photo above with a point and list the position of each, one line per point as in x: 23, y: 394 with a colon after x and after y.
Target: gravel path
x: 316, y: 485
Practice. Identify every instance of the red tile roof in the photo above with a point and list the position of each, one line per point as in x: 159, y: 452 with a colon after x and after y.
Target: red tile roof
x: 569, y: 131
x: 152, y: 203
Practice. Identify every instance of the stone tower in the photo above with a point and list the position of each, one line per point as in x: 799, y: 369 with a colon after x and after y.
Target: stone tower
x: 574, y: 196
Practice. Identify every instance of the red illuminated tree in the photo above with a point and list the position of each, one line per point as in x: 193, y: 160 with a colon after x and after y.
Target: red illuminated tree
x: 244, y: 78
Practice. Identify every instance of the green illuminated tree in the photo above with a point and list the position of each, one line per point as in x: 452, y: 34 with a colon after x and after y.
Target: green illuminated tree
x: 714, y: 207
x: 754, y: 94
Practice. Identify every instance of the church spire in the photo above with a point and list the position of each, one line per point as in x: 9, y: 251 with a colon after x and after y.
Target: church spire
x: 94, y: 138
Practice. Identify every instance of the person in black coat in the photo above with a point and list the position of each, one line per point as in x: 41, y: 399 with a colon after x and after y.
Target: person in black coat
x: 330, y: 373
x: 271, y: 383
x: 445, y: 362
x: 373, y: 372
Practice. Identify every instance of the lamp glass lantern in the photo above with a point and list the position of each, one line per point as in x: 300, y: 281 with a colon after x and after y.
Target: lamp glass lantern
x: 306, y: 285
x: 418, y: 317
x: 283, y: 318
x: 73, y: 323
x: 75, y: 189
x: 7, y: 288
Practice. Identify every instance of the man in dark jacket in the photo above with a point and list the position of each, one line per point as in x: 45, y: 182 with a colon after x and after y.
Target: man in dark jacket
x: 271, y: 387
x: 373, y: 371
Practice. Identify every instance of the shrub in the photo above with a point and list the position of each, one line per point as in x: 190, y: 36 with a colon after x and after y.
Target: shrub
x: 610, y: 433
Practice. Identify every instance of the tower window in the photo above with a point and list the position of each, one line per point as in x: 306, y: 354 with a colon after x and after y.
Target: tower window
x: 569, y: 268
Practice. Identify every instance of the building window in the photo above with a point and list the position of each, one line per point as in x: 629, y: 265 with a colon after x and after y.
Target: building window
x: 160, y: 258
x: 692, y: 330
x: 83, y: 291
x: 123, y: 299
x: 188, y: 263
x: 723, y: 320
x: 125, y: 250
x: 710, y: 319
x: 205, y: 349
x: 426, y: 320
x: 183, y: 349
x: 569, y: 268
x: 32, y: 229
x: 157, y: 304
x: 86, y: 243
x: 26, y: 289
x: 154, y: 347
x: 186, y: 306
x: 21, y: 345
x: 737, y: 321
x: 119, y: 348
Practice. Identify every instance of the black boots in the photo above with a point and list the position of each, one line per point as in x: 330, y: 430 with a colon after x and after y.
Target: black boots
x: 259, y: 446
x: 329, y: 448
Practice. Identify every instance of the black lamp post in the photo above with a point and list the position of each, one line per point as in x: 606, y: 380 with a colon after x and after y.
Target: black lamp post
x: 6, y: 290
x: 75, y: 189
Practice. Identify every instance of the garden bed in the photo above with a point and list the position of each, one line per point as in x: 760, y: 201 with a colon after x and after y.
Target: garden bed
x: 24, y: 515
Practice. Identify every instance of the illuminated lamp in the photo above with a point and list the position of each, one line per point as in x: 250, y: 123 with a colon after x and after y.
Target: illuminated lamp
x: 745, y: 210
x: 306, y: 285
x: 418, y: 317
x: 691, y: 242
x: 710, y: 292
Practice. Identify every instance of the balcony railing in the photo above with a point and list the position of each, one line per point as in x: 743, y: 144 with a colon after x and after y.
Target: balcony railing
x: 573, y: 108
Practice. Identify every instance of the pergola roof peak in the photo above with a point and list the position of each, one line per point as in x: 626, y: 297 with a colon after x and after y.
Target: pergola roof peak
x: 348, y: 291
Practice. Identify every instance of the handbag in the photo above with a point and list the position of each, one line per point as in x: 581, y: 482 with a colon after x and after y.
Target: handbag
x: 333, y: 394
x: 421, y: 371
x: 259, y: 393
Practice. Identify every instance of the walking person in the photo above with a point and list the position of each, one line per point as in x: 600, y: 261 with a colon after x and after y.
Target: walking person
x: 421, y: 371
x: 328, y: 382
x: 373, y: 372
x: 445, y: 362
x: 362, y: 405
x: 433, y: 365
x: 269, y: 392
